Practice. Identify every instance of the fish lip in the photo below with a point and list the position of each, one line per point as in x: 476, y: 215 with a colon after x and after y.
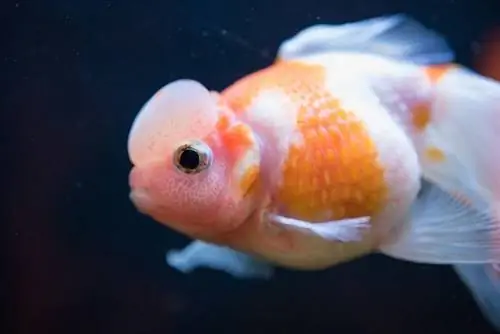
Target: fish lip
x: 134, y: 178
x: 139, y: 198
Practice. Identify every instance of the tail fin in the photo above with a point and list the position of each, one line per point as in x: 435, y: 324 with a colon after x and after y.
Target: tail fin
x: 465, y: 128
x: 485, y: 289
x: 482, y: 281
x: 395, y: 36
x: 445, y: 229
x: 459, y: 154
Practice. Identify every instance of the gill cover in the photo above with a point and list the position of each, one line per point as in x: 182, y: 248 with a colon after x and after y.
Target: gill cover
x: 181, y: 110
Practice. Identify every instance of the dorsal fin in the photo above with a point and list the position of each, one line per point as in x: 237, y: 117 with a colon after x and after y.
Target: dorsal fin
x: 397, y: 36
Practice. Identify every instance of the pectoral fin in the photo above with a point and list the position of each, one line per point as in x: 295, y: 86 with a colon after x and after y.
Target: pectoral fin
x: 345, y: 230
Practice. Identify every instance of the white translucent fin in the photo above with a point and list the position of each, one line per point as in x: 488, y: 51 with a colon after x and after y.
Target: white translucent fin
x: 181, y: 110
x: 199, y: 254
x: 444, y: 230
x: 396, y: 36
x: 465, y: 127
x: 485, y: 289
x: 346, y: 230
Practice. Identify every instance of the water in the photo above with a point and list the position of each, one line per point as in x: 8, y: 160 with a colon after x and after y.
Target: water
x: 80, y: 259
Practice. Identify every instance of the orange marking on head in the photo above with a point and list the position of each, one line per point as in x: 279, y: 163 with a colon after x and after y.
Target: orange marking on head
x: 238, y: 134
x: 249, y: 179
x: 435, y: 154
x: 235, y: 138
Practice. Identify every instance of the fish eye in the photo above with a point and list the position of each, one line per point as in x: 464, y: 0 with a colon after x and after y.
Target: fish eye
x: 193, y: 157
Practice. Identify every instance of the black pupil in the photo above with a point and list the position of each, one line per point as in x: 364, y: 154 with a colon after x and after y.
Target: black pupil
x: 189, y: 159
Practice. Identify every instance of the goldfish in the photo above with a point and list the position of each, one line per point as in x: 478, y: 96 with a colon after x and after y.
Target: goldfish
x: 321, y: 157
x: 483, y: 280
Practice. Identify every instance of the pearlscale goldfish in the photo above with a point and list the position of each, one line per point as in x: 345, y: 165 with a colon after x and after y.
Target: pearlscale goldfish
x: 320, y: 158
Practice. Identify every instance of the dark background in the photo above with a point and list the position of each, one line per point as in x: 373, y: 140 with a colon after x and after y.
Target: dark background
x: 80, y: 259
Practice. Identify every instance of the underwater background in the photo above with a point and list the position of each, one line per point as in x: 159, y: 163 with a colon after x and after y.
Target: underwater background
x: 78, y: 256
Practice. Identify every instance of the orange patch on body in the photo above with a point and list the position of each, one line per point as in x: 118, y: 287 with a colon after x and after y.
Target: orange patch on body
x: 436, y: 72
x: 421, y: 116
x: 434, y: 154
x: 290, y: 76
x: 422, y: 112
x: 332, y: 170
x: 334, y: 173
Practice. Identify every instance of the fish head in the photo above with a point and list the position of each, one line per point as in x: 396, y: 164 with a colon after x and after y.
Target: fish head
x: 195, y: 166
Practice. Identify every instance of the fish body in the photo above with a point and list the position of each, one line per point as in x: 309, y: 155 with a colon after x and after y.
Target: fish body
x: 330, y: 151
x: 319, y: 158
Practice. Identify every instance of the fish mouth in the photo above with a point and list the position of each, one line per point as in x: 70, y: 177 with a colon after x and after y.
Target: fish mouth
x: 138, y: 191
x: 135, y: 178
x: 140, y: 199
